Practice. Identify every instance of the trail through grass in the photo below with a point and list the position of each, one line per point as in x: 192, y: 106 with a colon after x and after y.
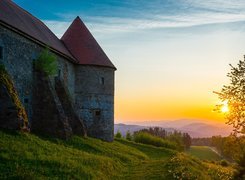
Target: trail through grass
x: 204, y: 153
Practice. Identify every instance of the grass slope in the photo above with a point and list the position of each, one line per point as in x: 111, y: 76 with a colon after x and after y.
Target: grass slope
x: 27, y: 156
x: 204, y: 153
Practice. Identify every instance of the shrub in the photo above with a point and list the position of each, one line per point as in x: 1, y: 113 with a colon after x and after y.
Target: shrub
x: 146, y: 138
x: 118, y: 134
x: 182, y: 140
x: 224, y: 163
x: 47, y: 63
x: 129, y: 136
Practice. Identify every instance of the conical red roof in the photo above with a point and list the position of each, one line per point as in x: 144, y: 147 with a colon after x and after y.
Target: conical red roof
x: 81, y: 43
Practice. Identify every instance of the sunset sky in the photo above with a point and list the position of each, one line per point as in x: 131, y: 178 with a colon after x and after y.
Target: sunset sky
x: 170, y: 55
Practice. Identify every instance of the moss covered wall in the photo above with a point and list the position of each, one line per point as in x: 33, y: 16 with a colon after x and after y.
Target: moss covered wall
x: 46, y: 114
x: 94, y: 102
x: 12, y: 112
x: 19, y: 54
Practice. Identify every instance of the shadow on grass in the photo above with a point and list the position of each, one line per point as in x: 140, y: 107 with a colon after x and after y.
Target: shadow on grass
x: 32, y: 169
x: 79, y: 143
x: 10, y: 132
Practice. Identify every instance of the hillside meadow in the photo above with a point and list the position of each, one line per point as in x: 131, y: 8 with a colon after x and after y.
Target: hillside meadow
x: 28, y: 156
x: 204, y: 153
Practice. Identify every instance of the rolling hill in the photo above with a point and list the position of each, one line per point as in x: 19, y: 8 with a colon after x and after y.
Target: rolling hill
x: 204, y: 153
x: 28, y: 156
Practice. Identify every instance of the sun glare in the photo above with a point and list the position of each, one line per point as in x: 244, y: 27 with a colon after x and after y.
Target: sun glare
x: 225, y: 107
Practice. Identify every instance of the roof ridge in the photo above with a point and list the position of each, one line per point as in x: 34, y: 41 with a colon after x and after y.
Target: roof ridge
x: 25, y: 11
x: 22, y: 21
x: 31, y: 15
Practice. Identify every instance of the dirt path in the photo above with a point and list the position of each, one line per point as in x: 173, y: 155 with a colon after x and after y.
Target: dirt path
x: 214, y: 150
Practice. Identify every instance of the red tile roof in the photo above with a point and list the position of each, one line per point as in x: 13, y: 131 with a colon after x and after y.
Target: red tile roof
x: 24, y: 22
x: 83, y: 46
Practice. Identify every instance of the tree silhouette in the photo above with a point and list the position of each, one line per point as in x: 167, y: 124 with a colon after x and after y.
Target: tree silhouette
x: 129, y: 136
x: 234, y: 95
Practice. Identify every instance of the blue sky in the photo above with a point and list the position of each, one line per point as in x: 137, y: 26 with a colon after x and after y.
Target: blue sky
x: 170, y: 54
x: 133, y: 15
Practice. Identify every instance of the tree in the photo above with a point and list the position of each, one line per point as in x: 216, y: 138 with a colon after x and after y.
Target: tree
x: 186, y: 140
x: 234, y: 95
x: 118, y: 134
x: 129, y: 136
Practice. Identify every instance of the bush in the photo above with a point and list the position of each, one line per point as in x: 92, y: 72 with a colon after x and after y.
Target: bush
x: 47, y: 63
x: 146, y: 138
x: 224, y: 163
x: 129, y: 136
x: 118, y: 135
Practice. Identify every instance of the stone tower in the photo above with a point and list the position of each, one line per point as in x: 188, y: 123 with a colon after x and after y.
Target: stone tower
x: 94, y: 81
x: 78, y: 99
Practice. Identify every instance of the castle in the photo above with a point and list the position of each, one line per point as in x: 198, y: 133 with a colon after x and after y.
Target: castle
x: 79, y: 99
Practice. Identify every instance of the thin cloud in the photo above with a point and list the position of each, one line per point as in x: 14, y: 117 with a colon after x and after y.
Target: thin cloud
x: 185, y: 13
x: 126, y: 25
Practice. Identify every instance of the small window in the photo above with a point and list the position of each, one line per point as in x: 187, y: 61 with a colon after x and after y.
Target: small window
x: 1, y: 52
x: 59, y: 73
x: 26, y: 100
x: 97, y: 113
x: 34, y: 57
x: 102, y: 80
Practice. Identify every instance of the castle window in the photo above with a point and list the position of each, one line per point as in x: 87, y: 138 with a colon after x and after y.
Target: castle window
x: 26, y: 100
x: 34, y: 56
x: 59, y: 73
x: 97, y: 113
x: 1, y: 52
x: 102, y: 80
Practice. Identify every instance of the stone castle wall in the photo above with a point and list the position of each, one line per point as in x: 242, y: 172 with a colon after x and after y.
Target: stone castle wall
x: 18, y: 56
x: 91, y: 88
x: 94, y: 100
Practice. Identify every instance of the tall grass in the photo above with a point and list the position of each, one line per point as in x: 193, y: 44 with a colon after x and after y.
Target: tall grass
x: 146, y: 138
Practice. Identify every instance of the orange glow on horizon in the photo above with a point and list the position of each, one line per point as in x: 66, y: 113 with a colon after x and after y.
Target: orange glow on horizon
x: 157, y: 109
x: 175, y: 80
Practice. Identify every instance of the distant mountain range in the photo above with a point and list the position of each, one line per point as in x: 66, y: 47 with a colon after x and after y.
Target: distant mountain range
x: 196, y: 128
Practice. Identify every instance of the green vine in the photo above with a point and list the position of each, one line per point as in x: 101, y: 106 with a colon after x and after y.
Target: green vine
x: 47, y: 63
x: 6, y: 80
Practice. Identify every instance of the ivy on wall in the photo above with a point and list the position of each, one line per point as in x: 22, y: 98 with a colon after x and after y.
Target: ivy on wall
x: 47, y: 63
x: 6, y: 80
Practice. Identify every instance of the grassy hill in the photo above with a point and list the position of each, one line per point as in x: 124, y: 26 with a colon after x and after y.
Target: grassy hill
x: 204, y: 153
x: 27, y: 156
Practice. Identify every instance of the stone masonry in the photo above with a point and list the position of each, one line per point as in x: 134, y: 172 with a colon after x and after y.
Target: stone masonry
x: 78, y: 100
